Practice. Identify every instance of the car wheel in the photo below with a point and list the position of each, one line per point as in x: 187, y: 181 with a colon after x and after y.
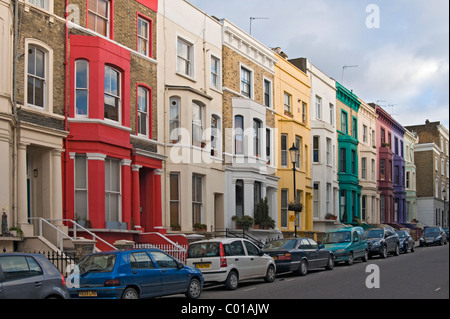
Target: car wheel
x: 384, y: 252
x: 130, y: 293
x: 270, y: 274
x: 303, y: 268
x: 232, y: 281
x: 366, y: 256
x: 195, y: 289
x: 397, y: 250
x: 330, y: 263
x: 351, y: 259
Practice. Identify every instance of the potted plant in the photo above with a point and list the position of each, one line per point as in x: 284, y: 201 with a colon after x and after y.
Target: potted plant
x: 330, y: 216
x: 175, y: 227
x: 244, y: 222
x: 262, y: 218
x: 199, y: 227
x: 295, y: 207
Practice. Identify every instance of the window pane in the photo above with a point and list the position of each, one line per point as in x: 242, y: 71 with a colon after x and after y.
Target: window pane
x: 102, y: 8
x: 31, y: 60
x: 82, y: 74
x: 40, y: 63
x: 81, y: 102
x: 30, y: 90
x: 39, y: 86
x: 80, y: 172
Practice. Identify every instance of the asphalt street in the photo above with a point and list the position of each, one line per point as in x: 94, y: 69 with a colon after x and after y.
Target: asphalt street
x: 423, y: 274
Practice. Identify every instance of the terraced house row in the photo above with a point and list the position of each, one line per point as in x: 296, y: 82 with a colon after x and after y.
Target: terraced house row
x: 147, y: 120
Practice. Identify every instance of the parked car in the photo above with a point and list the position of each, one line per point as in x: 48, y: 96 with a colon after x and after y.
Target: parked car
x: 406, y: 241
x: 230, y: 260
x: 382, y: 241
x: 433, y: 236
x: 133, y: 274
x: 446, y: 232
x: 299, y: 255
x: 30, y: 276
x: 347, y: 244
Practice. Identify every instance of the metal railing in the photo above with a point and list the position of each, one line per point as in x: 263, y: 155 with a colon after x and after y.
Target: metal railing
x: 178, y: 252
x: 75, y: 225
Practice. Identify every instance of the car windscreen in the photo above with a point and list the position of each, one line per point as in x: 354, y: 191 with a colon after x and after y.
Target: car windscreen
x: 97, y: 263
x: 282, y: 244
x: 200, y: 250
x: 431, y: 231
x: 401, y: 234
x: 374, y: 233
x: 337, y: 237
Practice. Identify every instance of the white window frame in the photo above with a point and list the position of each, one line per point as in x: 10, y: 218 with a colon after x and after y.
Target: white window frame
x: 188, y: 61
x: 81, y: 89
x: 287, y: 102
x: 48, y: 91
x: 318, y: 107
x: 142, y: 39
x: 198, y: 124
x: 270, y: 93
x: 177, y: 121
x: 141, y: 113
x: 84, y: 190
x: 216, y: 132
x: 97, y: 15
x: 111, y: 94
x: 217, y: 75
x: 251, y: 80
x: 108, y: 192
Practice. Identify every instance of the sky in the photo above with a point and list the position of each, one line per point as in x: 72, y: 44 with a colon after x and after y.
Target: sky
x: 396, y: 51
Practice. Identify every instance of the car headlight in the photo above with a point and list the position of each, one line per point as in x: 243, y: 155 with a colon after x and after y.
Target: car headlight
x: 377, y: 243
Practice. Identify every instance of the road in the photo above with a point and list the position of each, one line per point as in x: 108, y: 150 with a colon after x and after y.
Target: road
x: 423, y: 274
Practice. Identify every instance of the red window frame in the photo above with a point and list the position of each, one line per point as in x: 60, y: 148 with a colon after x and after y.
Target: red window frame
x: 150, y: 33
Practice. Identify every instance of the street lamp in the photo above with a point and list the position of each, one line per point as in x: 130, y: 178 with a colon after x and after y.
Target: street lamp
x: 444, y: 194
x: 293, y: 152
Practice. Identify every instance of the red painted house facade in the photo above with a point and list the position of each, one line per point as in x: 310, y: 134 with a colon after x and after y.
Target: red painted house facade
x: 112, y: 166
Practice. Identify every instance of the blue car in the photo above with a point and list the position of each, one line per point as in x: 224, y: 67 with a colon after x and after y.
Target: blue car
x: 347, y: 244
x: 133, y: 274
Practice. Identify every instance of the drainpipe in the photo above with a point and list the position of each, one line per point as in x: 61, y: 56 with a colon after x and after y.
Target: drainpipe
x: 14, y: 111
x: 66, y: 93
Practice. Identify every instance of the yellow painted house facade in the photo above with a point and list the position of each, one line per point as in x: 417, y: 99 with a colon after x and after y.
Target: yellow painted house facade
x: 291, y: 101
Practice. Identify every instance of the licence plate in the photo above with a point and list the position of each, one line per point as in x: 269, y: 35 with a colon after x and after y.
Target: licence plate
x: 203, y: 266
x: 88, y: 293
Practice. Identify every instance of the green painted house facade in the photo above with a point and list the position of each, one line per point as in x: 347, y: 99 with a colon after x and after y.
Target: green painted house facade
x: 347, y: 107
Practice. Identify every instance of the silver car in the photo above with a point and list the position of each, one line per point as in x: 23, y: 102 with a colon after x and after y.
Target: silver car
x: 229, y: 260
x: 30, y: 276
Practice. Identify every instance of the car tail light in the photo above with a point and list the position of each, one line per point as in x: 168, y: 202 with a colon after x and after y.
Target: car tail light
x: 284, y: 257
x: 223, y: 258
x: 63, y: 280
x: 112, y: 283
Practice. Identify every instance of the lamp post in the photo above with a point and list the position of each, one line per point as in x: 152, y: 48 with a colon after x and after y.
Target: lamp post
x: 293, y: 152
x: 444, y: 194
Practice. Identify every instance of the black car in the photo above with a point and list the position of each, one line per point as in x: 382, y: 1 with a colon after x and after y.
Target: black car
x: 298, y: 255
x: 30, y: 276
x: 433, y: 236
x: 406, y: 241
x: 382, y: 241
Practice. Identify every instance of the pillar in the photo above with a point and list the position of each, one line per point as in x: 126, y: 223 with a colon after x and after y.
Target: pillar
x: 96, y: 186
x: 126, y: 191
x: 57, y: 207
x: 22, y: 191
x: 136, y: 204
x: 157, y: 205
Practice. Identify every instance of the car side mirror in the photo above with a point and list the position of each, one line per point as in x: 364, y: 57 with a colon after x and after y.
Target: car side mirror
x: 260, y: 252
x: 180, y: 266
x: 321, y: 246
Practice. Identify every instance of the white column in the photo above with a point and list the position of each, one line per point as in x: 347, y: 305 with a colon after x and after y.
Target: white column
x: 22, y: 191
x: 57, y: 207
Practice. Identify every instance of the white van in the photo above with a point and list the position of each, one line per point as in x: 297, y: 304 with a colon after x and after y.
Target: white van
x: 228, y: 260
